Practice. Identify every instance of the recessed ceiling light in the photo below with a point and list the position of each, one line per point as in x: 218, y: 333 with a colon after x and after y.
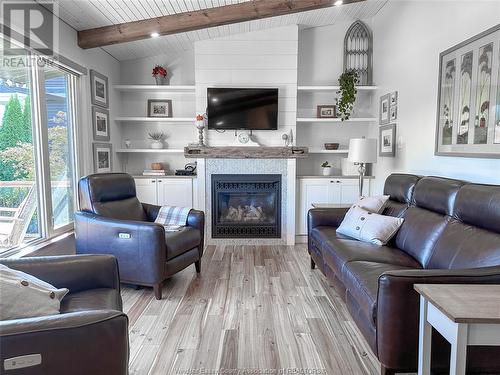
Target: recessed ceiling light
x: 155, y: 35
x: 338, y: 2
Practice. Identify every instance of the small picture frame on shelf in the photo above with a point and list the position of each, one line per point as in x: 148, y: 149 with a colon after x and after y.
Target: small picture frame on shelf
x: 99, y: 91
x: 103, y: 157
x: 326, y: 111
x: 393, y: 113
x: 159, y: 108
x: 100, y: 124
x: 384, y: 109
x: 394, y: 98
x: 387, y: 140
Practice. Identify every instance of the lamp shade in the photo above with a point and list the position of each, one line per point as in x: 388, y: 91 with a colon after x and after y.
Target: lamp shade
x: 362, y: 150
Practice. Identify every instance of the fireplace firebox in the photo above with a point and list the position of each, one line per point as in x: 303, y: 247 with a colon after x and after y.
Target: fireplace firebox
x: 246, y: 206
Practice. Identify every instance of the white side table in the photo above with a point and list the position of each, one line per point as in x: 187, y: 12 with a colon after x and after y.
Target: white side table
x: 463, y: 315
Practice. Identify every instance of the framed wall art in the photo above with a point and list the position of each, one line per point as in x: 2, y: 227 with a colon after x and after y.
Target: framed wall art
x: 387, y: 140
x: 159, y: 108
x: 326, y: 111
x: 384, y: 109
x: 99, y: 90
x: 468, y: 112
x: 100, y: 124
x: 103, y: 157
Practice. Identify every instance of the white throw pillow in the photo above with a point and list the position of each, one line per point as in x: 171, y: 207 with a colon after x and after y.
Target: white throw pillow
x: 369, y: 227
x: 373, y: 204
x: 25, y: 296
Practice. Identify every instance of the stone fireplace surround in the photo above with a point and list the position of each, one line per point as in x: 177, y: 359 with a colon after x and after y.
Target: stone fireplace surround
x: 284, y: 167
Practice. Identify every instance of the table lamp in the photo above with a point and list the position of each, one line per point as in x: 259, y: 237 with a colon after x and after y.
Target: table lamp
x: 361, y: 152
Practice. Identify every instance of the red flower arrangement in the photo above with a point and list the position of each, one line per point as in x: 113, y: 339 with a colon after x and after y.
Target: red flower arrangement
x: 159, y: 70
x: 199, y: 118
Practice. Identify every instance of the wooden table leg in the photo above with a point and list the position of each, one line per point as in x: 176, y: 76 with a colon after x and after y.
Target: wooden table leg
x: 459, y: 351
x: 424, y: 343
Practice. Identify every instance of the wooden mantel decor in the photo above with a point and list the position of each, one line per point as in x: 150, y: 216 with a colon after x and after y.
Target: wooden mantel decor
x: 245, y: 152
x: 200, y: 19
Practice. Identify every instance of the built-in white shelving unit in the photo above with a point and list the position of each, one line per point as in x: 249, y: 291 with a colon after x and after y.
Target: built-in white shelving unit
x: 151, y: 150
x: 327, y: 120
x: 156, y: 88
x: 333, y: 88
x: 156, y: 119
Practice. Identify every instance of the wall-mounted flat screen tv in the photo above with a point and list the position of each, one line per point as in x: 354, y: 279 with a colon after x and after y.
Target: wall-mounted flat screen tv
x: 242, y: 108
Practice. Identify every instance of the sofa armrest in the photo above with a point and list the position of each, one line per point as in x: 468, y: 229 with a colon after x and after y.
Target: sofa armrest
x: 139, y: 246
x: 75, y: 272
x: 151, y: 211
x: 398, y: 307
x: 331, y: 217
x: 100, y: 336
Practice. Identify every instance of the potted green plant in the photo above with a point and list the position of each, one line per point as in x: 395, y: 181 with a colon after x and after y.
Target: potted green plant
x: 346, y: 94
x: 327, y: 168
x: 156, y: 139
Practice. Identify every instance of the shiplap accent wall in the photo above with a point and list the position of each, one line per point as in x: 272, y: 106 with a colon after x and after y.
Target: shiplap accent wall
x: 257, y: 59
x: 266, y: 58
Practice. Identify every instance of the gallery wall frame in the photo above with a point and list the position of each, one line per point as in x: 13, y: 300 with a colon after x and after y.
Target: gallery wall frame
x: 468, y: 100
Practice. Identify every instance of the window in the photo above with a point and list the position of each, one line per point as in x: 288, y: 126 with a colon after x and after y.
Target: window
x: 37, y: 150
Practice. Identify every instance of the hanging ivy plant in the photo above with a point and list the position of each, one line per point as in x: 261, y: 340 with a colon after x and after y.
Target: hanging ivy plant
x: 346, y: 94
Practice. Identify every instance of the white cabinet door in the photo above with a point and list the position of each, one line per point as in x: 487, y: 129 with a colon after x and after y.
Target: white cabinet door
x: 175, y: 192
x: 311, y: 191
x: 146, y: 190
x: 349, y: 191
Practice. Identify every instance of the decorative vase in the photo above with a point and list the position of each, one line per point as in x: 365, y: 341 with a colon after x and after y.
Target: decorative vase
x: 327, y: 171
x: 160, y: 80
x: 200, y: 125
x: 156, y: 144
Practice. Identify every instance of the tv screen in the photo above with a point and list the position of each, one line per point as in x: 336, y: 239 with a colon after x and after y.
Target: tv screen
x: 238, y: 108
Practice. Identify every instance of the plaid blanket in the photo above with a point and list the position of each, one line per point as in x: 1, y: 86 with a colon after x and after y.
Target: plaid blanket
x: 172, y: 218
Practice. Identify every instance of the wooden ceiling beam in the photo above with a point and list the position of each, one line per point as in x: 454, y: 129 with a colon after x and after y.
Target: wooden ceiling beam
x: 200, y: 19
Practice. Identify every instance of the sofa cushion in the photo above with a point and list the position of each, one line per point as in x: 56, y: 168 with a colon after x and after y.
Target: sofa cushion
x: 465, y: 246
x: 25, y: 296
x: 436, y: 194
x: 479, y: 205
x: 368, y: 226
x: 181, y: 241
x: 360, y: 279
x: 400, y: 187
x: 94, y: 299
x: 419, y: 233
x: 341, y: 250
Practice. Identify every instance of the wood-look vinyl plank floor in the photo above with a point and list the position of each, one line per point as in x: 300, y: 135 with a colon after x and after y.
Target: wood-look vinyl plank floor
x: 252, y: 308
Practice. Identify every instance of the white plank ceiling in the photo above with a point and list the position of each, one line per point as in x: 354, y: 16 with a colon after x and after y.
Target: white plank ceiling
x: 87, y: 14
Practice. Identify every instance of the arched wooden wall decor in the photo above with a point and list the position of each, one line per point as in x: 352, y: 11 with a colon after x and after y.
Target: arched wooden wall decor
x: 358, y: 47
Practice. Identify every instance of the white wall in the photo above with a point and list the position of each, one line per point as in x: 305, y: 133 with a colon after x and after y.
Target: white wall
x: 408, y: 37
x: 266, y: 58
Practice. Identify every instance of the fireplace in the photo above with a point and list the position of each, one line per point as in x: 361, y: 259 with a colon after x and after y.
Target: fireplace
x: 246, y: 206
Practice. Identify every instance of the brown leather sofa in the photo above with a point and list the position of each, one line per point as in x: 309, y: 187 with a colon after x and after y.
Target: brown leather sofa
x: 90, y: 336
x: 451, y: 234
x: 112, y: 221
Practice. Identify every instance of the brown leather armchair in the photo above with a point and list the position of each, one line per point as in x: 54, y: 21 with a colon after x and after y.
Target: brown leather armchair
x: 111, y: 220
x: 90, y: 336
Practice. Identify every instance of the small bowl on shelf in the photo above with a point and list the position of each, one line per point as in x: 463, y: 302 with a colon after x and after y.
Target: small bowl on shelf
x: 332, y: 146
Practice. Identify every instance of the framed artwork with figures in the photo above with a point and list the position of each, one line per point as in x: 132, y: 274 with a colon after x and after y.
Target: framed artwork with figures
x: 384, y: 109
x: 468, y: 112
x: 100, y: 124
